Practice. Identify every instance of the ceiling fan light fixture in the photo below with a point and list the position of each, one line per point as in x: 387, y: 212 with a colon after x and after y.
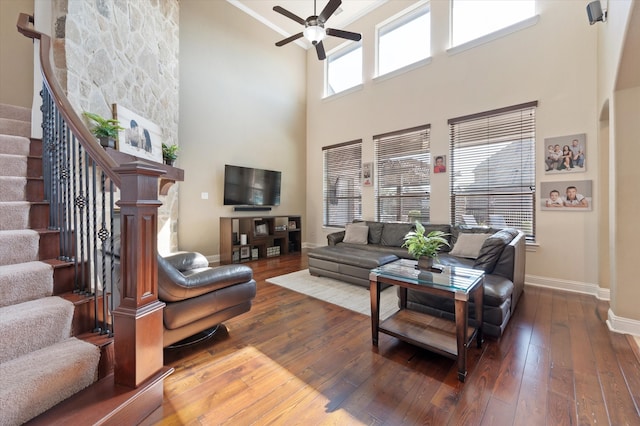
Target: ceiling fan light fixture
x: 314, y: 33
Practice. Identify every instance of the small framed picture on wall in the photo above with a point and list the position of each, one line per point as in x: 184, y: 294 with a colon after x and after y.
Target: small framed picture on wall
x: 440, y: 164
x: 367, y: 174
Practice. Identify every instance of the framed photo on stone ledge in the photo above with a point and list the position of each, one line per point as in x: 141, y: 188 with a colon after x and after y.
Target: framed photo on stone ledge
x: 140, y: 136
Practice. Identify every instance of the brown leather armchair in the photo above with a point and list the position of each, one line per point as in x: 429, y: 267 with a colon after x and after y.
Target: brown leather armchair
x: 199, y: 297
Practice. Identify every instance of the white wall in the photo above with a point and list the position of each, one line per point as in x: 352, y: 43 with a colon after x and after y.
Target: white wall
x: 619, y: 99
x: 16, y: 55
x: 242, y: 102
x: 553, y: 62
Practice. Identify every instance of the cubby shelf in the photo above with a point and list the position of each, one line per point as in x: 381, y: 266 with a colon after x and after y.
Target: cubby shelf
x: 267, y: 236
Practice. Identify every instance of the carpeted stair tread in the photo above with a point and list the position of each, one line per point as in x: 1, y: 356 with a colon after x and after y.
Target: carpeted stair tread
x: 35, y: 382
x: 33, y: 325
x: 17, y: 145
x: 14, y: 214
x: 13, y: 188
x: 13, y: 165
x: 24, y: 282
x: 15, y: 112
x: 18, y: 246
x: 9, y: 126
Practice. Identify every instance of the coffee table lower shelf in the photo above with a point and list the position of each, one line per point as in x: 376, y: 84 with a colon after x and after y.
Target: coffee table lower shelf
x: 426, y: 331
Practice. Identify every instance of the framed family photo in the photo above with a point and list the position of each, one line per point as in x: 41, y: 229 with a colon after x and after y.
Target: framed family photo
x: 567, y: 195
x: 565, y: 154
x: 140, y: 136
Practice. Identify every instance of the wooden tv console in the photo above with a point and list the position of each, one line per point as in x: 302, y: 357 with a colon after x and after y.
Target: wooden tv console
x: 267, y: 236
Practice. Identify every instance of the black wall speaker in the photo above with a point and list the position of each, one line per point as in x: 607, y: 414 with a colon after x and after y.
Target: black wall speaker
x: 594, y: 12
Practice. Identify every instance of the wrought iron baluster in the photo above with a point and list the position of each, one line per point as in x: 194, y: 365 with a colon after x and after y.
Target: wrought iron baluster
x: 112, y: 255
x: 94, y: 237
x: 103, y: 234
x: 87, y: 233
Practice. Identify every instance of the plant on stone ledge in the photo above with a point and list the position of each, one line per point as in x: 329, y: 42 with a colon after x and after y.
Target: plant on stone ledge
x: 169, y: 153
x: 105, y: 129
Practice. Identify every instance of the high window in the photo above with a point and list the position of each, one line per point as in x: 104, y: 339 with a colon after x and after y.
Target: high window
x: 403, y: 190
x: 344, y: 69
x: 342, y: 186
x: 404, y: 40
x: 493, y: 168
x: 472, y: 19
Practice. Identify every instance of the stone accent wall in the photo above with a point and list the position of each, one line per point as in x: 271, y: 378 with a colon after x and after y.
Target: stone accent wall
x: 123, y: 52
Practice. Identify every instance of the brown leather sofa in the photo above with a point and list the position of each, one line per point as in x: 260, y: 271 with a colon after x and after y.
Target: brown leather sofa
x: 502, y: 258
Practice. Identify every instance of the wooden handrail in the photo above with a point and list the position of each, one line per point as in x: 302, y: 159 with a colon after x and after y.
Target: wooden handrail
x: 74, y: 122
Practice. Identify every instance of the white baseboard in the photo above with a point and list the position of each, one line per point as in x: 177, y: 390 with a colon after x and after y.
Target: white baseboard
x: 615, y: 323
x: 622, y: 325
x: 568, y: 285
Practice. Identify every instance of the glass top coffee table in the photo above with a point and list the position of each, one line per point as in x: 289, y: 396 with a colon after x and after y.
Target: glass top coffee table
x: 429, y: 332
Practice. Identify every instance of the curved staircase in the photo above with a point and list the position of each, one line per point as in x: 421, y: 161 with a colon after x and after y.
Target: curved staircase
x: 41, y: 362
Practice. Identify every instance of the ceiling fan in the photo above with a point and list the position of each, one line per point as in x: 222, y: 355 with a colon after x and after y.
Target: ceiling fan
x: 314, y: 29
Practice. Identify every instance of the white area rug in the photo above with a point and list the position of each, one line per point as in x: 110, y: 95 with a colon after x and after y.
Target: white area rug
x: 350, y: 296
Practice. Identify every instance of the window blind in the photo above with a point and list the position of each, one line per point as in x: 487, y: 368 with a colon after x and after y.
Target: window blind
x: 342, y: 183
x: 403, y: 188
x: 493, y: 168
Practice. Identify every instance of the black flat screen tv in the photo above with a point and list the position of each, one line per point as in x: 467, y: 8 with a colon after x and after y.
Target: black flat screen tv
x: 245, y: 186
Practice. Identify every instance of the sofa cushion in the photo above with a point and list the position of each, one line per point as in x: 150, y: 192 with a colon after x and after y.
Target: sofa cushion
x: 430, y: 227
x: 356, y: 233
x: 375, y: 232
x: 492, y: 249
x: 351, y: 255
x: 468, y: 245
x: 457, y: 230
x: 393, y: 234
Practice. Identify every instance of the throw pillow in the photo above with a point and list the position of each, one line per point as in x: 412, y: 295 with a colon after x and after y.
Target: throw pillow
x: 356, y: 233
x: 492, y: 249
x: 393, y: 234
x: 375, y: 232
x: 468, y: 245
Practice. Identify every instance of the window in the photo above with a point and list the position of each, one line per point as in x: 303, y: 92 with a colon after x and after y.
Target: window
x: 342, y: 187
x: 472, y: 19
x: 344, y: 69
x: 493, y: 168
x: 403, y: 188
x: 404, y: 40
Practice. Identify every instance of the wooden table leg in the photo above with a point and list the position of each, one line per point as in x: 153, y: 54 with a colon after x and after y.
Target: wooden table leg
x: 478, y: 301
x: 374, y: 290
x: 462, y: 320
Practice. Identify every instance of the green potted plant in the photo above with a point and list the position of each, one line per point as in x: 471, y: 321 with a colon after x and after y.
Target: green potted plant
x: 424, y: 248
x: 169, y: 153
x: 105, y: 129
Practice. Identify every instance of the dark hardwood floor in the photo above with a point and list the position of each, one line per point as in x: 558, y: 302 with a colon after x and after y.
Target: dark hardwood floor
x: 296, y: 360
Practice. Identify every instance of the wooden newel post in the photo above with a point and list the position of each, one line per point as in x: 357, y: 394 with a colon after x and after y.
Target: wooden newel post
x: 138, y: 319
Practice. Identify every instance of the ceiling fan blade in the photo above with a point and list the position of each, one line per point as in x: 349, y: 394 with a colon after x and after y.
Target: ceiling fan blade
x: 289, y: 39
x: 320, y: 51
x: 289, y: 15
x: 328, y: 10
x: 344, y: 34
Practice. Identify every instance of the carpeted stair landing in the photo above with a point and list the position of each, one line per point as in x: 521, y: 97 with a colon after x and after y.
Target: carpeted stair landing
x: 41, y: 364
